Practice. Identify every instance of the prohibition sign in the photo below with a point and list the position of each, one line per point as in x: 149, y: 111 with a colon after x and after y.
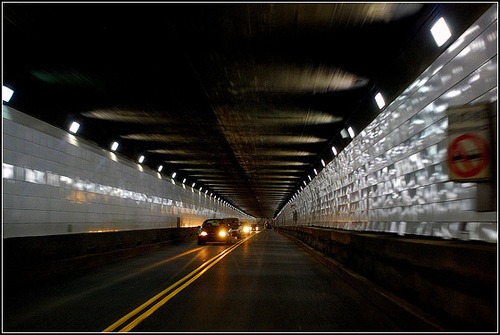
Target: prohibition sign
x: 468, y: 154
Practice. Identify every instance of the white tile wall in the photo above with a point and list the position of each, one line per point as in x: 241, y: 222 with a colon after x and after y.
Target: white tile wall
x: 393, y: 176
x: 56, y: 180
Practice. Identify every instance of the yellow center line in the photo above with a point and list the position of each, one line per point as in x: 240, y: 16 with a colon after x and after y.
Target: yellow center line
x: 195, y: 274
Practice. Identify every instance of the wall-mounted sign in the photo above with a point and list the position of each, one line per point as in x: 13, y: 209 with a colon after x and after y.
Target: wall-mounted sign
x: 469, y: 143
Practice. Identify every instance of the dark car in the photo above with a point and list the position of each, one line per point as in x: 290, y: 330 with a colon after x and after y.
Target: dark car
x: 215, y: 230
x: 235, y: 226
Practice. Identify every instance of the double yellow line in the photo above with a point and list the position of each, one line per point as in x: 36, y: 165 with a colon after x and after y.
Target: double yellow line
x: 173, y: 289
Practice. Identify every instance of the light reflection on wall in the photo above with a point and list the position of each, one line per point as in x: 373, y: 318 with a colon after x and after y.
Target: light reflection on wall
x: 87, y: 189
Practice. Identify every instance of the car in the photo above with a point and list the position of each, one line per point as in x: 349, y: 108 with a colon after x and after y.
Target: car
x: 255, y: 227
x: 235, y: 226
x: 245, y: 229
x: 215, y: 230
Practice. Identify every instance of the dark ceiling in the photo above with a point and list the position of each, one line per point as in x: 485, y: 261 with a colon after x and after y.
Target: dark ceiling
x: 244, y: 99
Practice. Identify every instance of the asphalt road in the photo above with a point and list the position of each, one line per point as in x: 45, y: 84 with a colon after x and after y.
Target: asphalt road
x: 265, y: 283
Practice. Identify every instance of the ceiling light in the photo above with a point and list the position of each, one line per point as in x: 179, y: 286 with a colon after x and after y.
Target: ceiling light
x: 74, y: 127
x: 315, y: 172
x: 193, y: 185
x: 351, y: 132
x: 334, y: 150
x: 141, y: 159
x: 309, y: 177
x: 380, y: 100
x: 174, y: 174
x: 114, y: 146
x: 7, y: 93
x: 304, y: 182
x: 160, y: 168
x: 184, y: 181
x: 344, y: 133
x: 323, y: 163
x: 441, y: 32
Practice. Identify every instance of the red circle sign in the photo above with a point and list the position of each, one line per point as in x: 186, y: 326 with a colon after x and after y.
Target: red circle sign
x: 468, y: 154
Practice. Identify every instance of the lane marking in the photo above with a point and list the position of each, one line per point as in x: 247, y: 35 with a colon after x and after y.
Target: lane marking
x: 195, y: 274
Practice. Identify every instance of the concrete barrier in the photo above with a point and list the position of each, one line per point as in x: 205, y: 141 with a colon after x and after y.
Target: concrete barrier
x: 38, y: 258
x: 455, y: 281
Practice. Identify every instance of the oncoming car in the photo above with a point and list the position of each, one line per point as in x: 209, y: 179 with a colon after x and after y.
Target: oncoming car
x: 255, y: 227
x: 244, y: 229
x: 215, y: 230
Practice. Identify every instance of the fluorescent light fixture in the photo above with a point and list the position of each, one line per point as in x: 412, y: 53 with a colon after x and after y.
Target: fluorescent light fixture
x: 174, y: 174
x: 351, y: 132
x: 160, y: 168
x: 334, y: 150
x: 7, y: 93
x: 344, y: 133
x: 315, y: 172
x: 141, y: 159
x: 441, y: 32
x: 194, y: 184
x: 304, y: 182
x: 114, y: 146
x: 206, y: 191
x: 309, y: 177
x: 323, y: 163
x: 184, y: 181
x: 74, y: 127
x: 380, y: 100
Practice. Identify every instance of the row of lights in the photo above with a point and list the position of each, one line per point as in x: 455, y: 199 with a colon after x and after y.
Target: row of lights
x: 114, y: 146
x: 7, y: 94
x: 441, y: 33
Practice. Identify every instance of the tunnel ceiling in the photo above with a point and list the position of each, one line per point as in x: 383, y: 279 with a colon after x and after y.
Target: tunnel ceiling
x: 244, y: 99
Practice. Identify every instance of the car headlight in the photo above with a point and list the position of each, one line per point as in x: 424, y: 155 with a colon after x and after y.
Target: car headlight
x: 222, y: 233
x: 246, y: 229
x: 203, y: 233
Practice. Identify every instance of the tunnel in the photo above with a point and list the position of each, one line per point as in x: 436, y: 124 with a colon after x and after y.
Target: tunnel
x: 357, y: 142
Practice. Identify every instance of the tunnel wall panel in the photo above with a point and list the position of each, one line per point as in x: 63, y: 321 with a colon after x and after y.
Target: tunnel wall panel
x: 56, y: 183
x: 393, y: 176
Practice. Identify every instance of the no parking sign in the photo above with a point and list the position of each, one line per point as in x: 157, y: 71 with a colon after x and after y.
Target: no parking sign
x: 469, y: 143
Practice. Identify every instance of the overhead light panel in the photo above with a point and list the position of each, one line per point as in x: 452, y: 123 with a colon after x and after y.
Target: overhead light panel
x: 160, y: 168
x: 323, y: 163
x: 114, y: 146
x: 315, y: 172
x: 344, y: 133
x: 184, y: 181
x: 334, y: 150
x: 174, y: 174
x: 380, y: 100
x: 141, y: 159
x: 194, y: 184
x: 7, y: 93
x: 441, y: 32
x: 351, y: 132
x: 74, y: 127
